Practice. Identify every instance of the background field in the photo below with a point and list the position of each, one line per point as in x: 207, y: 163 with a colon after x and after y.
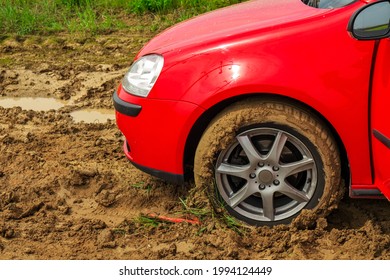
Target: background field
x: 96, y: 16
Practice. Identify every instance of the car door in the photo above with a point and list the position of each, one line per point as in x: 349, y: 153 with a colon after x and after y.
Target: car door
x: 380, y: 117
x: 372, y: 22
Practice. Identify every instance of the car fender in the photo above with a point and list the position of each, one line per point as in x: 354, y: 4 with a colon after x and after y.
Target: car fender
x: 320, y: 90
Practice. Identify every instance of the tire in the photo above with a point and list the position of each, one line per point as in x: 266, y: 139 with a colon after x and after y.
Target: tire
x: 265, y: 161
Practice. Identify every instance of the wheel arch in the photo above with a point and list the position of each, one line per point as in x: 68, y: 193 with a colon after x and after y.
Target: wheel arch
x: 204, y: 120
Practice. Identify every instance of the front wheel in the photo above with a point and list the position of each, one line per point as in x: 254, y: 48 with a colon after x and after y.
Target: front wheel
x: 267, y: 161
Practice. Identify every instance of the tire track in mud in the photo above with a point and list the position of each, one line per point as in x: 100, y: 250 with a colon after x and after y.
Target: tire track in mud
x: 68, y: 192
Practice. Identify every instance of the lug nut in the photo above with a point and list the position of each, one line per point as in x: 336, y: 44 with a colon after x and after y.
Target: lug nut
x: 276, y: 182
x: 262, y: 187
x: 252, y: 176
x: 275, y: 168
x: 261, y: 164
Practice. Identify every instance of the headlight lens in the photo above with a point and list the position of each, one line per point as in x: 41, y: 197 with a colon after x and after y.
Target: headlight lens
x: 143, y: 74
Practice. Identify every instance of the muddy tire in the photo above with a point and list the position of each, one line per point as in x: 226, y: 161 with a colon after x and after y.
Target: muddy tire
x: 265, y: 161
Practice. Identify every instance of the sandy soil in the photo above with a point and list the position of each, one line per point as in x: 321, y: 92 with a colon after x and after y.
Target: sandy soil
x: 68, y: 192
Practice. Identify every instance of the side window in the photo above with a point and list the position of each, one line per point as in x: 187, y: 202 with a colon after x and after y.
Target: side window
x: 372, y: 22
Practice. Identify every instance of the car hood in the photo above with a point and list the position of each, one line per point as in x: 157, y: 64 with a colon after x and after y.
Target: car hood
x: 229, y: 22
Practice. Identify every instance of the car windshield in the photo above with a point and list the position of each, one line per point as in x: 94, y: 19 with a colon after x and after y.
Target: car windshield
x: 327, y: 4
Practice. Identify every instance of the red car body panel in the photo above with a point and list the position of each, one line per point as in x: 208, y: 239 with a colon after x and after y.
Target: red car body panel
x: 156, y: 141
x: 213, y: 28
x: 281, y: 48
x: 380, y: 119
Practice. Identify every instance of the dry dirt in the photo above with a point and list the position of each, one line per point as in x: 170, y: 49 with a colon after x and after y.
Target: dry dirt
x: 68, y: 192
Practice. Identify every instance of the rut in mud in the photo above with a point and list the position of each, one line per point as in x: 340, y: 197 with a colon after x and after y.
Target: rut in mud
x: 68, y: 192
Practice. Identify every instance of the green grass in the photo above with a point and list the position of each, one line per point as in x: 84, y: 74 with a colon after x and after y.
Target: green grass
x: 147, y: 222
x: 95, y: 16
x: 193, y: 6
x: 5, y: 61
x: 143, y: 186
x: 198, y: 212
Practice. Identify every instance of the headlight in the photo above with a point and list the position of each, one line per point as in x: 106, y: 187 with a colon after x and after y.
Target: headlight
x: 143, y: 74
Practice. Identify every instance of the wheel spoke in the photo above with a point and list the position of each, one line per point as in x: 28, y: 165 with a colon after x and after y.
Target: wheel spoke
x: 234, y: 170
x: 277, y: 148
x: 268, y: 205
x: 249, y: 149
x: 298, y: 166
x: 293, y: 193
x: 241, y: 195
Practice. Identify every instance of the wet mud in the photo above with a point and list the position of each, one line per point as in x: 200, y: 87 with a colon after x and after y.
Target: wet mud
x: 68, y: 192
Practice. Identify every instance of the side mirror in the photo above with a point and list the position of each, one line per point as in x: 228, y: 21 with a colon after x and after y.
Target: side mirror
x: 371, y: 22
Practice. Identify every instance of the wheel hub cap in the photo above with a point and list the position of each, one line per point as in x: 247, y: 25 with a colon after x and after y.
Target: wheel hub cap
x: 266, y: 177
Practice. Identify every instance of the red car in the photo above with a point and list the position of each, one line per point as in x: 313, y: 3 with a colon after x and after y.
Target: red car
x: 271, y: 106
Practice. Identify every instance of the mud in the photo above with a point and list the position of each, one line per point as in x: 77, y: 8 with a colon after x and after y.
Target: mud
x: 68, y: 192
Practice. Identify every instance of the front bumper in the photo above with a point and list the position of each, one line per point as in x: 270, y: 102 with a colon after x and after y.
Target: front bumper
x: 124, y: 107
x: 169, y: 177
x: 156, y: 133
